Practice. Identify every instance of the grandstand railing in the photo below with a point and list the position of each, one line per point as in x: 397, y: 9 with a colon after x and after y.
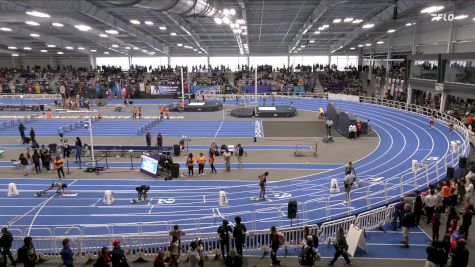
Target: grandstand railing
x: 145, y: 243
x: 32, y: 96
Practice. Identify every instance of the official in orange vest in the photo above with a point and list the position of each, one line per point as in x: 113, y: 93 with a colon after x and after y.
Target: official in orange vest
x: 162, y: 109
x: 58, y: 166
x: 201, y: 164
x: 140, y: 112
x: 167, y: 113
x: 134, y: 112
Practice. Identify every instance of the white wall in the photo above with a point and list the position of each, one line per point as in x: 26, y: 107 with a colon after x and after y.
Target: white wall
x: 9, y: 61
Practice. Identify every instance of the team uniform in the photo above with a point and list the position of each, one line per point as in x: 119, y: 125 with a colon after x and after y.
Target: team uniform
x: 141, y: 192
x: 60, y: 189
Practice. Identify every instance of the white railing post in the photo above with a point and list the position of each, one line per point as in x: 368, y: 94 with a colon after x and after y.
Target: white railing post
x: 402, y: 185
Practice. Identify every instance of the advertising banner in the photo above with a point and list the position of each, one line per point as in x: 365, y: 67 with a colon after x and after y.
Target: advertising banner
x: 205, y: 89
x: 165, y: 90
x: 261, y: 89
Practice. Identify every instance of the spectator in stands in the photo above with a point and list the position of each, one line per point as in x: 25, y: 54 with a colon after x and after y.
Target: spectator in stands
x: 224, y: 237
x: 104, y: 258
x: 32, y: 134
x: 452, y: 219
x: 467, y: 215
x: 58, y: 166
x: 406, y: 222
x: 148, y: 139
x: 23, y: 164
x: 418, y: 206
x: 435, y: 221
x: 435, y: 254
x: 118, y: 256
x: 239, y: 234
x: 190, y: 163
x: 201, y: 164
x: 460, y: 254
x: 67, y: 254
x: 78, y: 147
x: 22, y: 129
x: 27, y: 253
x: 431, y: 201
x: 341, y: 247
x: 6, y: 244
x: 233, y: 260
x: 276, y: 239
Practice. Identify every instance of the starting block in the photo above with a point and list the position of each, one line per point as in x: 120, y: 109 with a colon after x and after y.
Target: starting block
x: 69, y: 194
x: 12, y: 190
x: 135, y: 201
x: 108, y: 197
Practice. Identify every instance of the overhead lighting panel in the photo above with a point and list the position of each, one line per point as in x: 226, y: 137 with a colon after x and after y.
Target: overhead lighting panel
x: 432, y: 9
x: 135, y: 22
x: 57, y: 24
x: 162, y: 28
x: 43, y: 51
x: 103, y: 35
x: 80, y: 48
x: 148, y: 22
x: 348, y: 20
x: 69, y: 47
x: 391, y: 30
x: 173, y: 33
x: 82, y: 27
x: 38, y: 14
x: 12, y: 47
x: 368, y: 26
x: 60, y: 53
x: 26, y: 48
x: 32, y: 23
x: 380, y: 42
x: 5, y: 29
x: 112, y: 32
x: 352, y: 48
x: 93, y: 50
x: 336, y: 20
x: 34, y: 35
x: 218, y: 21
x: 357, y: 21
x: 51, y: 46
x: 15, y: 55
x: 460, y: 17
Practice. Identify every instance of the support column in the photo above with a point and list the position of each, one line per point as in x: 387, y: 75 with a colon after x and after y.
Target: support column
x: 409, y: 95
x: 414, y: 39
x: 92, y: 61
x: 129, y: 58
x: 443, y: 101
x: 329, y: 59
x: 169, y: 61
x: 451, y: 33
x: 209, y: 61
x: 288, y: 61
x: 388, y: 57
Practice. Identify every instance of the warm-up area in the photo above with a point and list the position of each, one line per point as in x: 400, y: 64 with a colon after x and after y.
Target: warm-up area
x: 237, y: 133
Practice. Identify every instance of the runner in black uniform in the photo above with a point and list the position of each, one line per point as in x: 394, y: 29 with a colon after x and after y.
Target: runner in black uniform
x: 141, y: 192
x: 60, y: 189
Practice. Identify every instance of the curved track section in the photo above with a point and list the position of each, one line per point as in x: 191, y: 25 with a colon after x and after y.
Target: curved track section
x: 384, y: 175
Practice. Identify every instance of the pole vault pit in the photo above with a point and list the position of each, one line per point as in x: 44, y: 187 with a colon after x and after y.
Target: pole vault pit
x: 205, y: 106
x: 265, y: 112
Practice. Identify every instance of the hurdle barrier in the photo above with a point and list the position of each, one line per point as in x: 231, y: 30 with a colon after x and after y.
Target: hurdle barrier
x: 147, y: 126
x: 76, y: 125
x: 16, y: 122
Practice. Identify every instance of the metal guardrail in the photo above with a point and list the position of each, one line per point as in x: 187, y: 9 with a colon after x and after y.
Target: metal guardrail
x: 143, y: 243
x: 32, y: 96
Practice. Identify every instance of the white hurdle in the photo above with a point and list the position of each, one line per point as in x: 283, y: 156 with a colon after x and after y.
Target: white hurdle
x: 12, y: 190
x: 108, y: 197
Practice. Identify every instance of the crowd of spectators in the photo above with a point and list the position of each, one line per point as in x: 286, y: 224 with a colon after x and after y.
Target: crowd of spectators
x: 346, y: 82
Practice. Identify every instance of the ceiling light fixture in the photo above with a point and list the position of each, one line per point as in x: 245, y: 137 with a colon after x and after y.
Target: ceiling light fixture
x: 51, y: 46
x: 218, y: 21
x: 303, y: 46
x: 80, y: 48
x: 38, y: 14
x: 336, y: 20
x: 431, y: 9
x: 135, y: 22
x: 408, y: 24
x: 368, y: 26
x: 82, y: 27
x: 232, y: 12
x: 380, y: 42
x: 103, y: 35
x: 112, y: 32
x: 199, y: 52
x: 148, y: 22
x: 15, y: 55
x: 180, y: 45
x: 391, y: 30
x: 93, y: 50
x: 32, y: 23
x: 57, y: 24
x: 26, y: 48
x: 114, y: 45
x: 352, y: 48
x: 127, y: 47
x: 348, y: 20
x: 357, y: 21
x: 43, y: 51
x: 226, y: 20
x: 460, y: 17
x: 173, y: 33
x: 5, y: 29
x: 162, y: 28
x: 12, y: 47
x: 60, y: 53
x: 312, y: 41
x: 368, y: 44
x: 69, y: 47
x: 106, y: 53
x: 34, y: 35
x: 360, y: 45
x: 136, y: 48
x: 317, y: 32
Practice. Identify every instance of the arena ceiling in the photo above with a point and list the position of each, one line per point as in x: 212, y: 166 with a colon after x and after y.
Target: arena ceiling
x: 177, y: 28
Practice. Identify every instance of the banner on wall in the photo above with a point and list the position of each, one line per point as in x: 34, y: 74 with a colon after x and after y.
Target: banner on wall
x: 299, y: 89
x: 261, y: 89
x: 341, y: 97
x: 205, y: 89
x: 288, y: 88
x: 142, y: 87
x: 164, y: 90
